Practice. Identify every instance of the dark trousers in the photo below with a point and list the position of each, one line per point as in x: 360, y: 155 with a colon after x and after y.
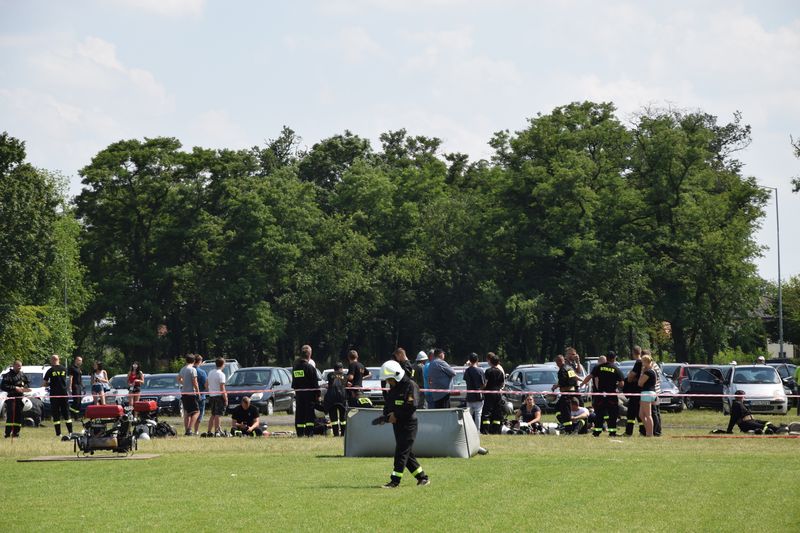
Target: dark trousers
x: 258, y: 432
x: 442, y: 403
x: 607, y: 412
x: 752, y: 425
x: 492, y: 415
x: 14, y: 418
x: 633, y: 415
x: 75, y: 401
x: 564, y: 413
x: 359, y: 401
x: 338, y: 419
x: 60, y: 410
x: 404, y: 435
x: 304, y: 414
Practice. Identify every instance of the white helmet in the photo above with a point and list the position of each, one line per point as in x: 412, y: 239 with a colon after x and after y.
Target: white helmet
x: 27, y: 404
x: 144, y: 436
x: 422, y: 356
x: 392, y: 370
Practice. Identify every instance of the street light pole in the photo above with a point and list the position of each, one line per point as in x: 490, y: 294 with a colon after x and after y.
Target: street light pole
x: 780, y: 287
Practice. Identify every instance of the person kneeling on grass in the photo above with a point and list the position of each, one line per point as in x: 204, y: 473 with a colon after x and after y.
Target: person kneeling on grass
x: 742, y: 417
x: 245, y: 420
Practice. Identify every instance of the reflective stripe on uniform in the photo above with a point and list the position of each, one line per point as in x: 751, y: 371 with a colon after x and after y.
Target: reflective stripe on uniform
x: 397, y: 474
x: 417, y: 471
x: 13, y: 425
x: 365, y: 401
x: 398, y: 402
x: 298, y: 373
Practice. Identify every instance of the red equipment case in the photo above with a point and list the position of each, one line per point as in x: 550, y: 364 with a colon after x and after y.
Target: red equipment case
x: 145, y: 407
x: 104, y: 411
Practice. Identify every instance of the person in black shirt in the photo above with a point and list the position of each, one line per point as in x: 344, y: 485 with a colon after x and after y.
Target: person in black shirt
x: 474, y: 379
x: 530, y: 414
x: 493, y: 413
x: 647, y: 383
x: 304, y: 376
x: 742, y: 417
x: 355, y: 379
x: 56, y: 379
x: 632, y: 386
x: 15, y: 385
x: 245, y: 419
x: 76, y: 385
x: 400, y: 411
x: 607, y: 379
x: 335, y: 400
x: 567, y: 382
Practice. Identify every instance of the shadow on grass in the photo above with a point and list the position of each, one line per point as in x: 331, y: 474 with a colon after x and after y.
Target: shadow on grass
x: 329, y: 456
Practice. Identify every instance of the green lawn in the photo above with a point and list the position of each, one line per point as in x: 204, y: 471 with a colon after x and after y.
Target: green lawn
x: 552, y: 483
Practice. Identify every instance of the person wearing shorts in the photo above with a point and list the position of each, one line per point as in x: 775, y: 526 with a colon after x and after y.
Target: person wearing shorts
x: 187, y: 378
x: 217, y: 398
x: 202, y: 378
x: 647, y: 382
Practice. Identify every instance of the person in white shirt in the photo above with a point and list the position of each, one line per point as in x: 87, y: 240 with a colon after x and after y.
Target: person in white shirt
x: 217, y: 398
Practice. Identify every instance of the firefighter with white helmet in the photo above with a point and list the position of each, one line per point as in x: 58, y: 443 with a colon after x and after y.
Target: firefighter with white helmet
x: 400, y: 411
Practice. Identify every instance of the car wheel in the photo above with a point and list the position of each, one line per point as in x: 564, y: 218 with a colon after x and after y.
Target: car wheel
x: 270, y: 408
x: 689, y: 403
x: 292, y: 407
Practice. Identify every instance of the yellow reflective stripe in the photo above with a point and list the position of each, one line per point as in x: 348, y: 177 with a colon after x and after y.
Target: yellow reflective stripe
x: 417, y: 471
x: 13, y: 425
x: 496, y: 422
x: 398, y: 402
x: 299, y: 373
x: 397, y: 474
x: 343, y: 423
x: 365, y: 401
x: 485, y: 422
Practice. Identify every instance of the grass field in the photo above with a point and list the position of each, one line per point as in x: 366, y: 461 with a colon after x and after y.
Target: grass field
x: 549, y: 483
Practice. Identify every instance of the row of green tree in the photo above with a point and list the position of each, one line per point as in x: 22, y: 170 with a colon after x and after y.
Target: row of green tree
x: 580, y: 230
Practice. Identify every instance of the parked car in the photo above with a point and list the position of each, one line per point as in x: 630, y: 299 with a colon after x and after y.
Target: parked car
x: 702, y: 379
x: 762, y: 385
x: 231, y: 366
x: 373, y: 381
x: 533, y: 379
x: 672, y: 370
x: 787, y: 372
x: 164, y: 389
x: 458, y: 398
x: 269, y: 388
x: 670, y: 398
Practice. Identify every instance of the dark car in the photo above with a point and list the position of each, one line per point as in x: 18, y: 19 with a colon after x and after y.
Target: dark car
x: 164, y: 389
x: 269, y: 388
x: 672, y: 370
x: 787, y: 372
x: 702, y: 379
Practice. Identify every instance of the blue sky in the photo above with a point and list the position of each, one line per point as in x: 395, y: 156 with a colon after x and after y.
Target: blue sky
x: 77, y: 76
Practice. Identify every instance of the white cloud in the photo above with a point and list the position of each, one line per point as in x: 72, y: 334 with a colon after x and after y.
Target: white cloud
x: 215, y: 128
x: 357, y: 45
x: 169, y: 8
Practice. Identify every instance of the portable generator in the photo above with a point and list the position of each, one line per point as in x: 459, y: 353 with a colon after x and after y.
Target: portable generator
x: 106, y: 427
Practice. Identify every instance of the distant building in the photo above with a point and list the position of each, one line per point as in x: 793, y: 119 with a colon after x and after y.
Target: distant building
x: 773, y: 349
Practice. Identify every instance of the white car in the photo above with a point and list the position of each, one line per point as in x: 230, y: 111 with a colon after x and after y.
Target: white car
x: 762, y: 386
x: 35, y: 375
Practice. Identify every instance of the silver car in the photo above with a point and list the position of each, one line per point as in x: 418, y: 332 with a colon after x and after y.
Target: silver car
x: 762, y: 386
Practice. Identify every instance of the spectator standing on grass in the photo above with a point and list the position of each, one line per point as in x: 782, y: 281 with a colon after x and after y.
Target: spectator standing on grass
x: 493, y: 414
x: 440, y: 376
x: 567, y: 383
x: 631, y: 386
x: 56, y: 379
x: 202, y: 378
x: 187, y: 379
x: 99, y: 383
x: 135, y: 382
x: 425, y: 369
x: 475, y: 380
x: 304, y: 381
x: 245, y: 420
x: 647, y: 384
x: 355, y: 380
x: 217, y: 397
x: 654, y: 408
x: 15, y: 385
x: 76, y: 385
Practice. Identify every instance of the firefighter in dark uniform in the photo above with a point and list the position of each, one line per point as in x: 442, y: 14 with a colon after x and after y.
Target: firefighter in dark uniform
x: 567, y: 382
x: 304, y: 376
x: 400, y: 411
x: 15, y: 384
x: 355, y: 379
x: 56, y: 379
x: 400, y: 356
x: 608, y: 378
x: 76, y: 386
x: 493, y: 409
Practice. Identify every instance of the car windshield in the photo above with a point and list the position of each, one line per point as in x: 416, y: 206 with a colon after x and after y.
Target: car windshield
x: 540, y: 377
x: 459, y: 379
x: 119, y: 382
x: 35, y: 379
x: 756, y: 375
x: 160, y: 382
x: 247, y: 376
